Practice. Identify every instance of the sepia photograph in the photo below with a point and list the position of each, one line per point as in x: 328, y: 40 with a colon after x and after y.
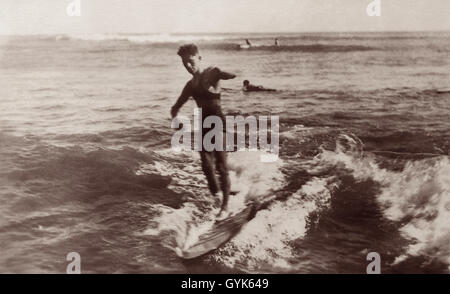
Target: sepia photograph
x: 232, y: 137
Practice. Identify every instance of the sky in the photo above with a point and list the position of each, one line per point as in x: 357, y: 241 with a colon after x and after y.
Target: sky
x: 209, y: 16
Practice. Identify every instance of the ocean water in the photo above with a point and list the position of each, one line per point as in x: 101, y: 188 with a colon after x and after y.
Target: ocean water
x: 364, y: 166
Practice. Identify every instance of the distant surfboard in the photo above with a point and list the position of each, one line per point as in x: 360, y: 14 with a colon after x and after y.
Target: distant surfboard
x: 244, y: 47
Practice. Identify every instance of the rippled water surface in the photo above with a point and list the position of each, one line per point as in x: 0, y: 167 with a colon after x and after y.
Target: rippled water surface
x: 364, y: 144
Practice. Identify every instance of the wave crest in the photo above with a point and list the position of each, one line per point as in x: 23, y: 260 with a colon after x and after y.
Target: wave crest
x: 417, y: 198
x: 145, y: 38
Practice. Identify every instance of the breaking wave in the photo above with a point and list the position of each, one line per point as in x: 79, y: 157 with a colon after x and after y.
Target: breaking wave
x: 417, y: 198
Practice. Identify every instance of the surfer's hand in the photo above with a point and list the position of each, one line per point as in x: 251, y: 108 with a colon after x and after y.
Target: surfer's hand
x: 173, y: 112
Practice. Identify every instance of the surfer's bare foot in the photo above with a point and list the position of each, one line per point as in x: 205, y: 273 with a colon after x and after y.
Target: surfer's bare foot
x: 224, y: 213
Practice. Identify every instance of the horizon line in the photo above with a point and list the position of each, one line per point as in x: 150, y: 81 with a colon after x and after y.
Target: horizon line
x: 225, y: 33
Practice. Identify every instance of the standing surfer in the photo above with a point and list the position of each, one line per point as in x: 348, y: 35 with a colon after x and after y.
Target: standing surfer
x: 204, y: 87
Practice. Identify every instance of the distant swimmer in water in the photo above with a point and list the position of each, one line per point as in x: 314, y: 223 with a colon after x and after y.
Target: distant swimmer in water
x: 252, y: 88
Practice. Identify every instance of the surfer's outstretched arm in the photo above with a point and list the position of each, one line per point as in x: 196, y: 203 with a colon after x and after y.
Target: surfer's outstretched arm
x: 223, y: 75
x: 185, y: 95
x: 226, y: 76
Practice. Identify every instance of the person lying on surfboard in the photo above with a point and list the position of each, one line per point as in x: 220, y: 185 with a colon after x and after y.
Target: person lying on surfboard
x: 252, y: 88
x: 204, y: 87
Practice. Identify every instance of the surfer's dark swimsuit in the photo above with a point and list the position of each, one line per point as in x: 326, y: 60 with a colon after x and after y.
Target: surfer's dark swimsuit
x: 210, y: 104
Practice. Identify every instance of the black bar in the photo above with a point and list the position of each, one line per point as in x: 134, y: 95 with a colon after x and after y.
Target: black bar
x: 222, y: 283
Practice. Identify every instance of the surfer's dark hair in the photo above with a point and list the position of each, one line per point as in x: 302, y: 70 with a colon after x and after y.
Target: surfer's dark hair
x: 187, y: 50
x: 246, y: 82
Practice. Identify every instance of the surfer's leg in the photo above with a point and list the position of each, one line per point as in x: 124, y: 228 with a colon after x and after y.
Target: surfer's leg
x: 222, y: 168
x: 208, y: 169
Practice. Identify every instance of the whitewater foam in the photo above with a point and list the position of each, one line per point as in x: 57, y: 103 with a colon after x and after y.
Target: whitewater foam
x: 266, y: 240
x: 249, y: 176
x: 418, y: 198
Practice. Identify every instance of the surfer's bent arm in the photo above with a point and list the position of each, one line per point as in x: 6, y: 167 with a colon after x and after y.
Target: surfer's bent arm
x: 185, y: 95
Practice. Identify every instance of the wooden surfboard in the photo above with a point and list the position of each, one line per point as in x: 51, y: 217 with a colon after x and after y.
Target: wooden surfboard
x: 220, y: 233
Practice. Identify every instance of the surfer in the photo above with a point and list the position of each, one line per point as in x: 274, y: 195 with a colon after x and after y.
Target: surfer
x: 204, y: 87
x: 276, y: 42
x: 248, y: 43
x: 252, y: 88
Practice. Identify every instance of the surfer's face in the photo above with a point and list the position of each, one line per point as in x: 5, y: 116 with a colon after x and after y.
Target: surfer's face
x: 192, y: 63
